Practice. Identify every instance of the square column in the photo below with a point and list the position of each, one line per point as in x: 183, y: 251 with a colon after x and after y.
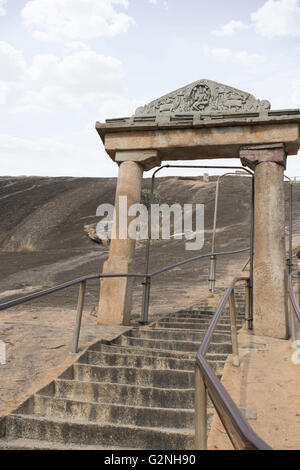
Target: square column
x: 270, y: 308
x: 116, y: 293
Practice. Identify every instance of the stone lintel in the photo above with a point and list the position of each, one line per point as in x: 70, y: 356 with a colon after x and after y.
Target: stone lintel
x: 202, y: 143
x: 148, y: 159
x: 255, y: 154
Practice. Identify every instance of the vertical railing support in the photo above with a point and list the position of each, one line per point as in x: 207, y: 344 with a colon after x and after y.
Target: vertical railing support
x: 146, y: 300
x: 200, y: 411
x: 212, y: 275
x: 298, y: 287
x: 292, y: 322
x: 235, y: 347
x: 252, y: 252
x: 292, y: 319
x: 247, y: 306
x: 80, y: 304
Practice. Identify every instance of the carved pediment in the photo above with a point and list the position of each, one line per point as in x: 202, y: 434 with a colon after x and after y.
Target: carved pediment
x: 206, y: 97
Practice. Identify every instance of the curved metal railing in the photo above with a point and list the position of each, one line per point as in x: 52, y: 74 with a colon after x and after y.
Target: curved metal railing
x: 149, y: 276
x: 83, y: 280
x: 294, y: 305
x: 240, y: 433
x: 237, y: 428
x: 293, y: 295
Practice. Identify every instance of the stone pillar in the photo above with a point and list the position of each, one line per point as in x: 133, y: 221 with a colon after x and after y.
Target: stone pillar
x: 270, y: 273
x: 116, y: 293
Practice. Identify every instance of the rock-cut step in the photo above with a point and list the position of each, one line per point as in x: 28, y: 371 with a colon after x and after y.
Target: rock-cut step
x: 66, y: 431
x: 125, y: 394
x: 134, y: 392
x: 114, y: 413
x: 179, y: 346
x: 131, y: 376
x: 175, y: 335
x: 146, y: 360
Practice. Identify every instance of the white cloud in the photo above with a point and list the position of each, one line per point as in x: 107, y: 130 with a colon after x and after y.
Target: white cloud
x: 2, y: 7
x: 12, y: 69
x: 118, y: 106
x: 239, y: 57
x: 295, y: 97
x: 53, y: 20
x: 154, y: 2
x: 84, y: 157
x: 230, y: 28
x: 81, y: 77
x: 278, y: 18
x: 75, y: 46
x: 12, y: 63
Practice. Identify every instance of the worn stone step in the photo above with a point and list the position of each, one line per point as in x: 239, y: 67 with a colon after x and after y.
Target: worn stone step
x: 194, y: 315
x: 136, y: 360
x: 184, y: 346
x: 176, y: 335
x: 127, y: 350
x: 101, y: 392
x: 195, y: 321
x: 30, y: 444
x: 62, y: 431
x: 145, y: 362
x: 200, y: 315
x: 191, y: 326
x: 128, y: 375
x: 198, y: 320
x: 73, y: 410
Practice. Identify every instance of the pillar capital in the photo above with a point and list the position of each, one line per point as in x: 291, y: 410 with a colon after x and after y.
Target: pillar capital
x: 255, y: 154
x: 148, y: 159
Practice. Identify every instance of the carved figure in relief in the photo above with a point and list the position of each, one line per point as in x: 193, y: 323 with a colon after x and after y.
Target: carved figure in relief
x: 204, y: 96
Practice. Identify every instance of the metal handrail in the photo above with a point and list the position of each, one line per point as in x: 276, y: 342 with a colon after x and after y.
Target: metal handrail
x: 237, y: 428
x: 82, y: 281
x: 65, y: 285
x: 147, y: 281
x: 148, y: 277
x: 292, y: 293
x: 195, y: 258
x: 81, y: 295
x: 295, y: 306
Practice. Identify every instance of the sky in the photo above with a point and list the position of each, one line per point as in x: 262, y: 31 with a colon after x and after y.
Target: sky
x: 65, y: 64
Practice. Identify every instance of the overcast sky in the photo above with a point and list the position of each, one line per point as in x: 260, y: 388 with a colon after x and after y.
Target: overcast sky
x: 65, y: 64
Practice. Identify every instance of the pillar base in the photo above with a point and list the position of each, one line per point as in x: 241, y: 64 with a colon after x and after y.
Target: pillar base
x: 116, y: 294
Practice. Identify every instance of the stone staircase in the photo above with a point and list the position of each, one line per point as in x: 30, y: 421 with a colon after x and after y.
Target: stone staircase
x: 135, y: 392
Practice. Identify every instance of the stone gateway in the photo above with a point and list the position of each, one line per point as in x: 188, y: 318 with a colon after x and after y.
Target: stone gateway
x: 208, y: 120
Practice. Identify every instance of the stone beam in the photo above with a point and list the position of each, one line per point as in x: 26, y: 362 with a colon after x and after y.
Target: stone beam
x: 204, y: 142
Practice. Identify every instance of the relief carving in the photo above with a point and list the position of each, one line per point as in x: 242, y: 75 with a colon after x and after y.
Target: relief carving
x: 204, y: 96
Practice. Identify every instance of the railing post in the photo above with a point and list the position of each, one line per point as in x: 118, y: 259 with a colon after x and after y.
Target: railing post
x: 212, y: 275
x: 247, y: 306
x: 146, y: 300
x: 299, y: 288
x: 200, y: 411
x: 80, y: 303
x: 292, y: 325
x: 235, y: 347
